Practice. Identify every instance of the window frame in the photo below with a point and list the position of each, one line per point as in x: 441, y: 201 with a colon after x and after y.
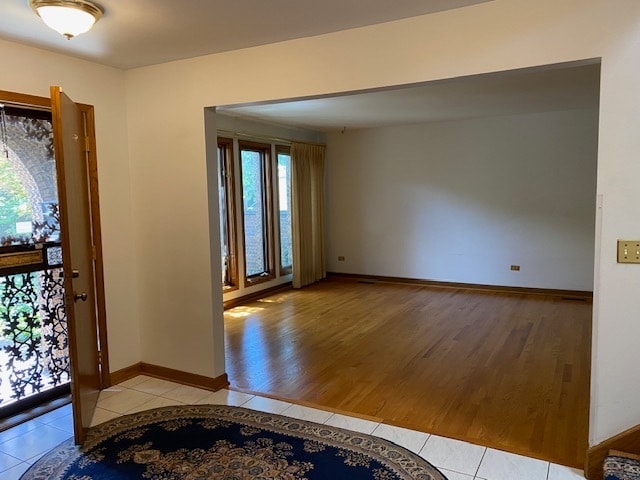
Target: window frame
x: 225, y: 145
x: 264, y: 149
x: 286, y: 150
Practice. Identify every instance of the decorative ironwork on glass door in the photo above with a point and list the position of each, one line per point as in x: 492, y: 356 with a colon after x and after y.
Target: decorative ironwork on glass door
x: 34, y: 355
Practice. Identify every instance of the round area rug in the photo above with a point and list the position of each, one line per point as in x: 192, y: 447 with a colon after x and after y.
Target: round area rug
x: 219, y: 442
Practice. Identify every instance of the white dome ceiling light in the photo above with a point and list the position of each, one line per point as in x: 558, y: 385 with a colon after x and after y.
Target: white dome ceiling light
x: 68, y: 17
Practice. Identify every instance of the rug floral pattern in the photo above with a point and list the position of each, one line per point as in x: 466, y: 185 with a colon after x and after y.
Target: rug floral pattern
x: 621, y: 468
x: 220, y: 442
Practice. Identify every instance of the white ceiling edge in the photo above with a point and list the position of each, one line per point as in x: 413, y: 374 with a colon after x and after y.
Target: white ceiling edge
x: 569, y: 86
x: 138, y: 33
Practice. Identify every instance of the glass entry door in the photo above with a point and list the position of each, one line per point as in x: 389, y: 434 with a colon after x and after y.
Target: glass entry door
x: 34, y: 356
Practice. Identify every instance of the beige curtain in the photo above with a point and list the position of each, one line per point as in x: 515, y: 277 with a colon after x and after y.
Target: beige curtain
x: 307, y: 208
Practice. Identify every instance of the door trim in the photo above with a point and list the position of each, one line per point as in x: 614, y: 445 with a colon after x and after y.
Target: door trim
x: 96, y: 227
x: 38, y: 102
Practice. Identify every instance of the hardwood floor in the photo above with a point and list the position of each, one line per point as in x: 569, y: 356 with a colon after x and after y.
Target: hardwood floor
x: 505, y: 370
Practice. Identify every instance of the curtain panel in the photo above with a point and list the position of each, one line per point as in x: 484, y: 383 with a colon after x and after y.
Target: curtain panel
x: 307, y: 205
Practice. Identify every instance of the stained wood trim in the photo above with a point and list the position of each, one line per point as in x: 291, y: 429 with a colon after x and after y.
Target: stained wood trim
x: 96, y: 228
x: 185, y: 378
x: 568, y: 294
x: 234, y: 302
x: 126, y: 373
x: 231, y: 220
x: 25, y: 100
x: 618, y: 453
x: 170, y: 374
x: 20, y: 259
x: 627, y: 441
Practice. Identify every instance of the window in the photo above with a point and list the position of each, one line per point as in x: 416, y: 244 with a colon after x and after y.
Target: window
x: 257, y: 213
x: 227, y: 214
x: 28, y: 189
x: 284, y: 208
x: 254, y: 181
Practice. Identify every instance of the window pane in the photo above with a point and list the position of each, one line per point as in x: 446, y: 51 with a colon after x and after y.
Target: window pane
x: 28, y: 190
x: 253, y: 212
x: 224, y: 235
x: 284, y: 202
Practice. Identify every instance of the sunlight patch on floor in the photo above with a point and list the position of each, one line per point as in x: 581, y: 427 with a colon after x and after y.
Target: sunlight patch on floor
x: 242, y: 312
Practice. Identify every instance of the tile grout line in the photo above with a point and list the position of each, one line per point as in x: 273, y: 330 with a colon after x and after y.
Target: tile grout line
x: 9, y: 455
x: 15, y: 466
x: 475, y: 475
x: 425, y: 442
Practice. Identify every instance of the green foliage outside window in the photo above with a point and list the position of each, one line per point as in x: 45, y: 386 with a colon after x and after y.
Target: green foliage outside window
x: 14, y: 201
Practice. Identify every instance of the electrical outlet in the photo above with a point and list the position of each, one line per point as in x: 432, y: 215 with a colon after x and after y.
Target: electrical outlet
x: 515, y: 268
x: 628, y: 251
x: 340, y: 258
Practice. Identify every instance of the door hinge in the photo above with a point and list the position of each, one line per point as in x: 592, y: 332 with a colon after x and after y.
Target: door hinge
x: 86, y: 144
x: 99, y: 357
x: 94, y: 255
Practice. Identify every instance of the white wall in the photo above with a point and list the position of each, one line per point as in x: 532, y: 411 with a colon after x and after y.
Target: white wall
x: 180, y: 312
x: 31, y: 71
x: 179, y: 289
x: 462, y: 201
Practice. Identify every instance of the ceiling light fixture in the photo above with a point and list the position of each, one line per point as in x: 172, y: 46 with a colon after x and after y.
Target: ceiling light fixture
x: 69, y: 17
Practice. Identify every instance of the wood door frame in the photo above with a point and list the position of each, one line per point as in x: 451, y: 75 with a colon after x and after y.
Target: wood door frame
x: 96, y: 231
x: 26, y: 100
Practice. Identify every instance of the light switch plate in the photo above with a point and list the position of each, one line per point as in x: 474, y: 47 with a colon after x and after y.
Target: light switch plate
x: 628, y: 251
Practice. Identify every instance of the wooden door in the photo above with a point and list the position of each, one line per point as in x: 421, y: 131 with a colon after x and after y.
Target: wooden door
x: 77, y: 257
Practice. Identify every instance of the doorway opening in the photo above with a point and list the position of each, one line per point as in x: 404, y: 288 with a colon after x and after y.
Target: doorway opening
x: 402, y: 201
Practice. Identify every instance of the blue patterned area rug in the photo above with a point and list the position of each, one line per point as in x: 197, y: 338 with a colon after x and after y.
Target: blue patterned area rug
x: 621, y: 466
x: 219, y: 442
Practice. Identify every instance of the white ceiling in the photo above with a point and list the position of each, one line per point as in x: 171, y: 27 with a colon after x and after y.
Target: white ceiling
x: 134, y: 33
x: 553, y: 88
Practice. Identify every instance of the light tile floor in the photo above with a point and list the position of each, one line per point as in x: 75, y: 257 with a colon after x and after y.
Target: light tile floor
x: 22, y: 445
